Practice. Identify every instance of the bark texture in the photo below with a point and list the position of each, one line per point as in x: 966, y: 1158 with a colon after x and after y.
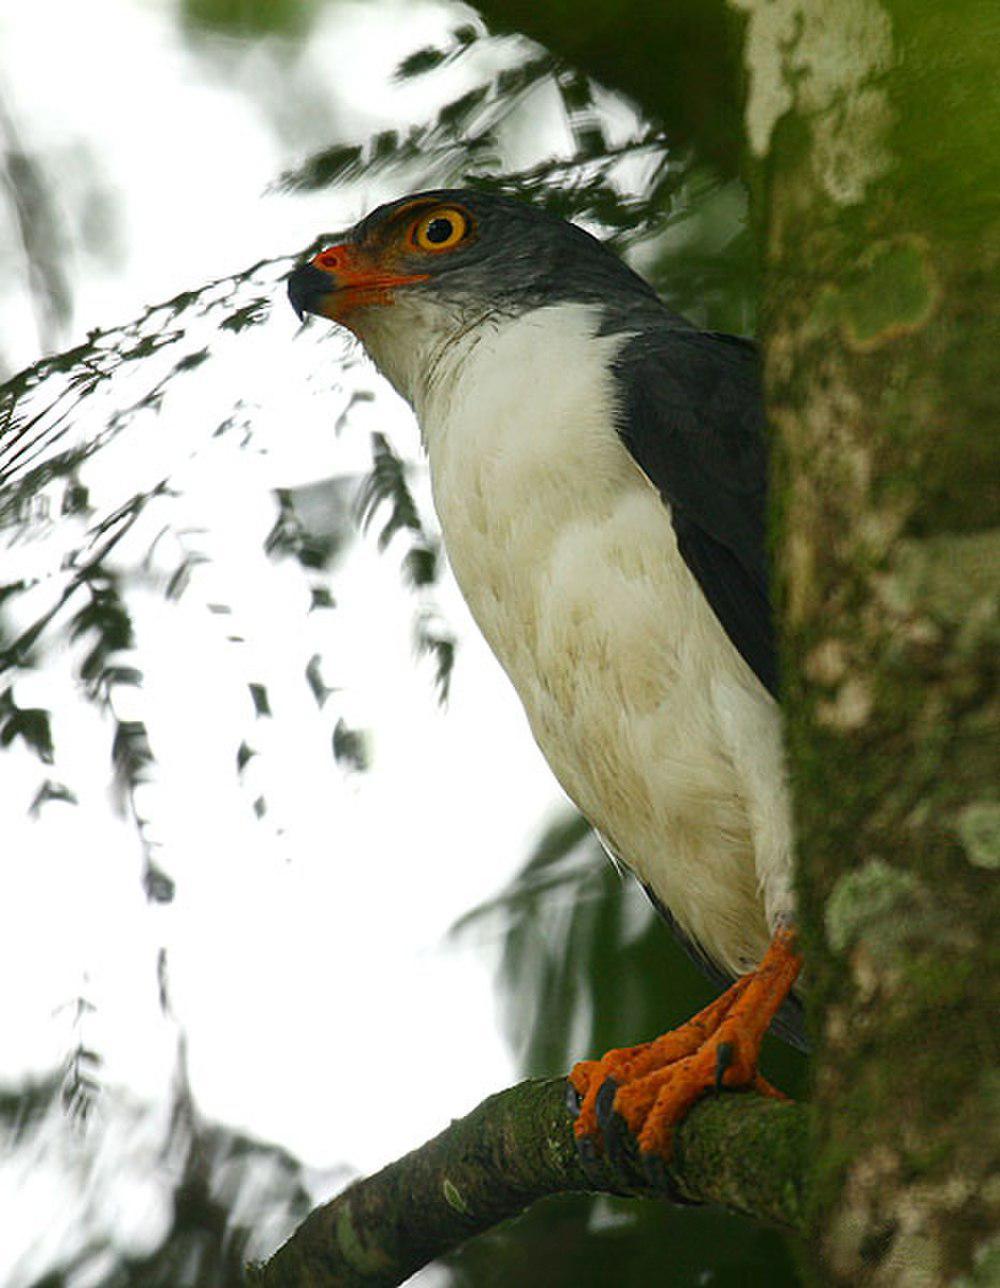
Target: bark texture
x: 877, y: 132
x: 739, y: 1150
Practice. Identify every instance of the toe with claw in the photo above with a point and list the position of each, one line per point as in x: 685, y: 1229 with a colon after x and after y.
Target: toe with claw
x: 644, y: 1091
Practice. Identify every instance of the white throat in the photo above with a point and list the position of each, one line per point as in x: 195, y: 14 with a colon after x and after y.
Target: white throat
x: 410, y: 341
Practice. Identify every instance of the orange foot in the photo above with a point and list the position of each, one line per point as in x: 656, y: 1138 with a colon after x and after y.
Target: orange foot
x: 652, y: 1086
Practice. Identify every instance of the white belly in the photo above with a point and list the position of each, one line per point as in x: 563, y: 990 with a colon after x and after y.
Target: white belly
x: 567, y: 558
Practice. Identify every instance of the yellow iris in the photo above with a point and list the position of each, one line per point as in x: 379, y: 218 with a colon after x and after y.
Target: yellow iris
x: 440, y: 229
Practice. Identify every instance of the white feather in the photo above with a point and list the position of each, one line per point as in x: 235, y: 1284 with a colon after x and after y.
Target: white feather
x: 650, y: 719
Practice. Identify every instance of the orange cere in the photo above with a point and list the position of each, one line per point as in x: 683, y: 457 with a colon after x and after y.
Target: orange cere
x: 358, y: 278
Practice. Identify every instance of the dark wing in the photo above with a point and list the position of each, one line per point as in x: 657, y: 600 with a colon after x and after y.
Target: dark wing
x: 692, y: 417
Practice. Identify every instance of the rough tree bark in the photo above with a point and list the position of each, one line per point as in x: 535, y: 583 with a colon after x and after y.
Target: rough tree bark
x: 877, y: 132
x: 871, y: 133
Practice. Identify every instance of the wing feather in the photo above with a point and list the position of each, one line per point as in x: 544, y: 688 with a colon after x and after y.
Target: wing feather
x: 692, y: 417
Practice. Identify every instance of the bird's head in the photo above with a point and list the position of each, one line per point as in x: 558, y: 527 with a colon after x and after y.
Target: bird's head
x: 417, y: 273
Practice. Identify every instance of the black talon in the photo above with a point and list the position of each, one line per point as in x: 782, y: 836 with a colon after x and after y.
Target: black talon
x: 619, y: 1145
x: 724, y: 1057
x: 604, y: 1105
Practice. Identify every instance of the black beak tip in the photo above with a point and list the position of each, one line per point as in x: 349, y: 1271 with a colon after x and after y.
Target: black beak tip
x: 307, y: 285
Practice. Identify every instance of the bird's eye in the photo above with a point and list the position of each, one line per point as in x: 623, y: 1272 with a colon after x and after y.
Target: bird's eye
x: 440, y: 230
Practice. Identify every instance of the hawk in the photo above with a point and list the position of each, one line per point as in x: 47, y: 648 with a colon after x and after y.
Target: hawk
x: 599, y: 469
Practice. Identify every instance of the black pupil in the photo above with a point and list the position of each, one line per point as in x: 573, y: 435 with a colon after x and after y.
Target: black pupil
x: 439, y: 230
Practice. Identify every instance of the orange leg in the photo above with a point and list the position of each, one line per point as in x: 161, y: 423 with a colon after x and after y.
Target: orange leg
x: 656, y: 1083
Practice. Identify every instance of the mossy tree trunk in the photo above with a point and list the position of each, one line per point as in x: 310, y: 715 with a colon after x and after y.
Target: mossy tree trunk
x: 877, y: 134
x: 871, y: 139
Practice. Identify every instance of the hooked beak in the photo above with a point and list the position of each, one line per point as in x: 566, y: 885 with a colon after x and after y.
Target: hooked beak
x: 308, y: 288
x: 341, y: 277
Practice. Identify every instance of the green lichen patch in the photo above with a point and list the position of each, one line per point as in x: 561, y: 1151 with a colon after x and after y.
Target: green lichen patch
x: 979, y: 829
x: 954, y: 578
x: 453, y: 1197
x: 868, y: 898
x: 892, y: 290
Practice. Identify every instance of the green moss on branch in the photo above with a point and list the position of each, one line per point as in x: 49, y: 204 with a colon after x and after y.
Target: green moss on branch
x: 515, y: 1148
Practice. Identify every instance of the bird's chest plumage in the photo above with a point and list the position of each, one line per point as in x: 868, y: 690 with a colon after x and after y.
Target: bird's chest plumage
x: 567, y: 558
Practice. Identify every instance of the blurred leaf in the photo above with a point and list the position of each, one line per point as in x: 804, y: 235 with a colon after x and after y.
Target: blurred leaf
x: 387, y: 483
x: 50, y: 791
x: 420, y: 566
x: 233, y: 1197
x: 432, y: 638
x: 75, y: 499
x: 180, y: 578
x: 350, y: 747
x: 459, y: 113
x: 192, y: 360
x: 358, y: 396
x: 584, y: 119
x: 312, y: 525
x: 679, y: 61
x: 430, y: 57
x: 157, y: 885
x: 314, y: 675
x: 31, y: 724
x: 261, y: 704
x: 420, y: 61
x: 105, y: 618
x: 324, y: 168
x: 247, y: 315
x: 131, y: 755
x: 81, y: 1083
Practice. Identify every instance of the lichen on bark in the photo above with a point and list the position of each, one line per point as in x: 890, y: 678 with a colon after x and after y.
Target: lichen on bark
x: 881, y: 385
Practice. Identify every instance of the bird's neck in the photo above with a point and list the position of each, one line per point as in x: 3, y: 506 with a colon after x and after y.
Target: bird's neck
x: 520, y: 391
x: 421, y: 346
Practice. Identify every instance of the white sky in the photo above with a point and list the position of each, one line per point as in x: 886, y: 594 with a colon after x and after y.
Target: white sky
x: 298, y: 941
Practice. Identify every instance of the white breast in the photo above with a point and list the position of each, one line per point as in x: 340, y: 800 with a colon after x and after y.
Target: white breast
x: 567, y: 558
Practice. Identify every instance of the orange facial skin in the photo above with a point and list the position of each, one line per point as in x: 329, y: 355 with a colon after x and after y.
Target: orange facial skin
x: 357, y: 279
x: 365, y: 274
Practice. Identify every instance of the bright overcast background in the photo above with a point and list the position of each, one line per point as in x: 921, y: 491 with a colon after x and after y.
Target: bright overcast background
x: 303, y: 957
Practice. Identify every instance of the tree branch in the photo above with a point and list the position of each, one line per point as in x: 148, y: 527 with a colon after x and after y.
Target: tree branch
x: 736, y: 1149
